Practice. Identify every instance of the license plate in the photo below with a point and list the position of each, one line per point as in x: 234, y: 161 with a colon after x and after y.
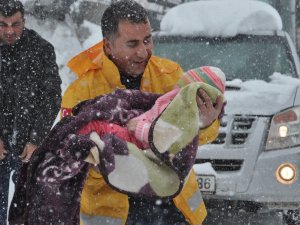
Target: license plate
x: 207, y: 183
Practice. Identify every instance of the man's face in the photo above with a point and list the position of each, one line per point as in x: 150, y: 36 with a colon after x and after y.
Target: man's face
x: 11, y: 28
x: 131, y: 48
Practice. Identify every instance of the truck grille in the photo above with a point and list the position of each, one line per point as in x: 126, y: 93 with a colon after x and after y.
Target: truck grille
x: 234, y: 130
x: 223, y: 164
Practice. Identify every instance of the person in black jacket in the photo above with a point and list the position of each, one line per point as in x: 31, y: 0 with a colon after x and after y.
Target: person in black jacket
x: 30, y: 94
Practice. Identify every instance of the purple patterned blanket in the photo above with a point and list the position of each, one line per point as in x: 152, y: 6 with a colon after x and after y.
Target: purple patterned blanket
x: 49, y: 188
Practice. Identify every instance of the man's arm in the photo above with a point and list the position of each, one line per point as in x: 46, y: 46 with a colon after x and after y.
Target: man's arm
x: 51, y: 95
x: 77, y: 92
x: 49, y: 100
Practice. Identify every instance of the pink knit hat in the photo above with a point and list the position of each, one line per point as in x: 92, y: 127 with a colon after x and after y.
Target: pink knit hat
x: 207, y: 74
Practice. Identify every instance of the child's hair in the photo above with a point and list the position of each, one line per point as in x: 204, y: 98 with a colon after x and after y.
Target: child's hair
x: 208, y: 74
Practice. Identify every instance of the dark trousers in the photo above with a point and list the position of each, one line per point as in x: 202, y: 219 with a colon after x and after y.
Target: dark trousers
x: 150, y: 212
x: 6, y: 167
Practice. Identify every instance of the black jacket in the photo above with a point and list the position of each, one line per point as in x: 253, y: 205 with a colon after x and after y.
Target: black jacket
x: 30, y: 92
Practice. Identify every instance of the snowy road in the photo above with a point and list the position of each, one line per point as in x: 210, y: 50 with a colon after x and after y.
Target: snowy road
x: 229, y: 217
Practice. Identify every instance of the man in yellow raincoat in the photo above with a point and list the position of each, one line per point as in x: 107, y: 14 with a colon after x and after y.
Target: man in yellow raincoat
x: 124, y: 60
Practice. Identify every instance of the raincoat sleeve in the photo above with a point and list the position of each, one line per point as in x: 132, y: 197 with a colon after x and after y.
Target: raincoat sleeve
x: 209, y: 134
x: 50, y: 94
x: 76, y: 92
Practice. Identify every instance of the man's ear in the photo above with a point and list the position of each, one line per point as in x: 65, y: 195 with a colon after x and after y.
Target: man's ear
x: 107, y: 46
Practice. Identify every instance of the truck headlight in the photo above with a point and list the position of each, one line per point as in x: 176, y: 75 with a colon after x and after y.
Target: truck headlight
x: 286, y: 173
x: 284, y: 130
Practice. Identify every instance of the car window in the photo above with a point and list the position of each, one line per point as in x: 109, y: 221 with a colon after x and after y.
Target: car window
x: 244, y: 58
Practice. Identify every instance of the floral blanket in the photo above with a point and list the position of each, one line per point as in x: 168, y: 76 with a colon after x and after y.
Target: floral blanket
x: 49, y: 188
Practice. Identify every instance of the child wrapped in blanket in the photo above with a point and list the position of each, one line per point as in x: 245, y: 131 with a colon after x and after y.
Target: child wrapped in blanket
x: 137, y: 129
x: 173, y: 139
x: 144, y: 144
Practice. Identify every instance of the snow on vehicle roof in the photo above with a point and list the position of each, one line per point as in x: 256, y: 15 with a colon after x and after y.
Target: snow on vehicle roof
x: 220, y: 18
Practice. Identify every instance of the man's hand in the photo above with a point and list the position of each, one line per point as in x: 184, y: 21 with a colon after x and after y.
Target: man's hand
x: 3, y: 152
x: 208, y: 113
x: 27, y: 152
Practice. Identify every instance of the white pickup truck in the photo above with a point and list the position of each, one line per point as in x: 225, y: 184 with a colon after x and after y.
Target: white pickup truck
x: 256, y: 157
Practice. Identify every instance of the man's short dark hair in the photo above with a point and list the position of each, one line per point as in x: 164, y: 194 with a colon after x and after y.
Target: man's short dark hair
x: 123, y: 10
x: 10, y: 7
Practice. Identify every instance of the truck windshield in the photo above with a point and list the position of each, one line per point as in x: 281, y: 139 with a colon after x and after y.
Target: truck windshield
x: 244, y: 57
